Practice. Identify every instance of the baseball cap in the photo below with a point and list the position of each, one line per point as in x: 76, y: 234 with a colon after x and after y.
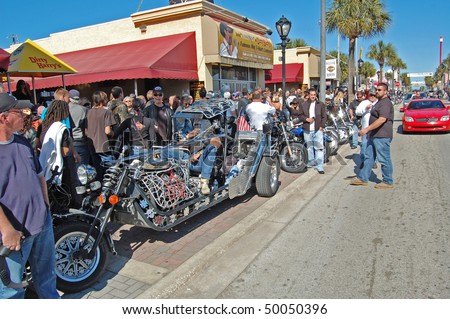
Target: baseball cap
x: 8, y: 102
x: 157, y: 89
x: 74, y: 94
x: 227, y: 95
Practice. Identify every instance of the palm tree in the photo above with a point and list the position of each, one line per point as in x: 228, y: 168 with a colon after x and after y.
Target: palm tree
x: 368, y: 70
x: 381, y: 52
x: 396, y: 64
x: 406, y: 80
x: 429, y: 82
x: 293, y: 43
x: 354, y: 19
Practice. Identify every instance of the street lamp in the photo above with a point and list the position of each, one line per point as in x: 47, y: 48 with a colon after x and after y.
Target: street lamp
x: 283, y: 27
x: 360, y: 64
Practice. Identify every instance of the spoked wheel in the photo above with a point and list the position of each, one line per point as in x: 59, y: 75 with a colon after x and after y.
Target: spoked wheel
x: 74, y: 272
x: 267, y: 177
x: 296, y: 161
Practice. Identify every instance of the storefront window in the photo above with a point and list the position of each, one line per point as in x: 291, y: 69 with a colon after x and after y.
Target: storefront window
x: 234, y: 77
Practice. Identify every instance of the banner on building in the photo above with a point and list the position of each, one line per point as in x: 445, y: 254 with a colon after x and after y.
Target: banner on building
x: 331, y: 69
x: 236, y: 43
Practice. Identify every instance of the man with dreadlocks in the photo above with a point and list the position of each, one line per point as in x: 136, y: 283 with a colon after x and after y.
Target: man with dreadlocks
x: 56, y: 148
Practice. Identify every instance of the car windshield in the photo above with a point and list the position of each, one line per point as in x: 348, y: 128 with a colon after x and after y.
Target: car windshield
x: 426, y: 104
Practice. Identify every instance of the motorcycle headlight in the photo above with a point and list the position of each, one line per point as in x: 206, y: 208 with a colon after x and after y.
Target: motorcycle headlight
x: 409, y: 119
x: 86, y: 174
x: 445, y: 118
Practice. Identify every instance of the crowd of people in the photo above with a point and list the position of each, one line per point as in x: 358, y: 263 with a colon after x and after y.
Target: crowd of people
x: 73, y: 130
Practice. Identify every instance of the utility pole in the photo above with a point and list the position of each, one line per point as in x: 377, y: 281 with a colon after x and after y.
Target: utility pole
x: 322, y: 51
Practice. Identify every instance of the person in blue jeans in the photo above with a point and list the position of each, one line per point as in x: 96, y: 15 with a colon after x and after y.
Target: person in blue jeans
x: 363, y: 110
x: 25, y: 222
x: 380, y: 133
x: 201, y: 161
x: 352, y: 112
x: 313, y: 114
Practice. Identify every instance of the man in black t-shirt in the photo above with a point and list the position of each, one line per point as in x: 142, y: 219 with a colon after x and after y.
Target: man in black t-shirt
x: 379, y: 133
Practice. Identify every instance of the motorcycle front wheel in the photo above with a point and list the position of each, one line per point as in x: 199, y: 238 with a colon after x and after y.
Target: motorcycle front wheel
x: 295, y: 162
x: 73, y: 273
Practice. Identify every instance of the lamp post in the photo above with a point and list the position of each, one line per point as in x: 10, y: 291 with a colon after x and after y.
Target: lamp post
x: 283, y: 27
x: 360, y: 64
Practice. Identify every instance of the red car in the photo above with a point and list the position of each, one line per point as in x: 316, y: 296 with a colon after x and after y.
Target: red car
x: 428, y: 115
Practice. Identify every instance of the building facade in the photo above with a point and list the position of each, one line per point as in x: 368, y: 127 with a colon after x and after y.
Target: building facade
x: 180, y: 47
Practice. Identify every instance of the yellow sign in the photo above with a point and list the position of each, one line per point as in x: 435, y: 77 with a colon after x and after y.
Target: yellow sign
x: 29, y: 59
x: 243, y: 45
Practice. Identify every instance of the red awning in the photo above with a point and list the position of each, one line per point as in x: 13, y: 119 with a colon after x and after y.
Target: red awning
x: 169, y: 57
x: 294, y: 73
x: 4, y: 60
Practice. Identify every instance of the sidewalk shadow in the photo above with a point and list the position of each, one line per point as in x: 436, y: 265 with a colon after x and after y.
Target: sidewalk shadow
x: 356, y: 169
x: 135, y: 237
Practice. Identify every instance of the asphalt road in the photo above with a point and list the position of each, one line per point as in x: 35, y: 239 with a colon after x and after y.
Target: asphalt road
x: 332, y: 240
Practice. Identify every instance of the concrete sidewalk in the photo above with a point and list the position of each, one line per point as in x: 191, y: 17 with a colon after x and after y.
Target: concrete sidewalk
x: 181, y: 263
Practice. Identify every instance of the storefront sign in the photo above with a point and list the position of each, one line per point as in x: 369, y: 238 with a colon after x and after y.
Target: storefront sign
x: 331, y: 69
x: 243, y: 45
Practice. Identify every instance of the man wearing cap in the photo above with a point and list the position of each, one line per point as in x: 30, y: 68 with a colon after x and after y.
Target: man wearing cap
x: 363, y: 111
x: 162, y: 114
x: 78, y: 114
x: 25, y: 222
x: 351, y: 109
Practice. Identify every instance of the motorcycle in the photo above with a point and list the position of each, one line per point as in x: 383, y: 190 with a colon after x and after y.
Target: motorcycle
x: 340, y: 127
x: 293, y: 154
x: 76, y: 271
x: 298, y: 133
x: 154, y: 191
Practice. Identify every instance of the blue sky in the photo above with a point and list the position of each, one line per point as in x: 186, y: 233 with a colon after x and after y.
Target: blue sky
x: 415, y: 31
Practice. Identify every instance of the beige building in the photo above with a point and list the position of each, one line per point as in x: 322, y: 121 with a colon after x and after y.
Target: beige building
x: 180, y: 47
x: 302, y: 69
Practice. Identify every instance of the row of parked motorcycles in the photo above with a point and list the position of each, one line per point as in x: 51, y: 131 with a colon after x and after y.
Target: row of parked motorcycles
x: 146, y: 190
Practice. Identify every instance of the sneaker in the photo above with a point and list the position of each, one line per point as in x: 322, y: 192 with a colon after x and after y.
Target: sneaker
x: 321, y: 172
x: 357, y: 182
x: 383, y: 185
x: 204, y: 186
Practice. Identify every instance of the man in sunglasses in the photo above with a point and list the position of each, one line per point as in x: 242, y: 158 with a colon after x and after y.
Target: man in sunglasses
x: 26, y: 232
x: 379, y: 137
x: 162, y: 114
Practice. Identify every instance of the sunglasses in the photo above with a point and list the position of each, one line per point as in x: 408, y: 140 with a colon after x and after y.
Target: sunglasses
x: 158, y: 94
